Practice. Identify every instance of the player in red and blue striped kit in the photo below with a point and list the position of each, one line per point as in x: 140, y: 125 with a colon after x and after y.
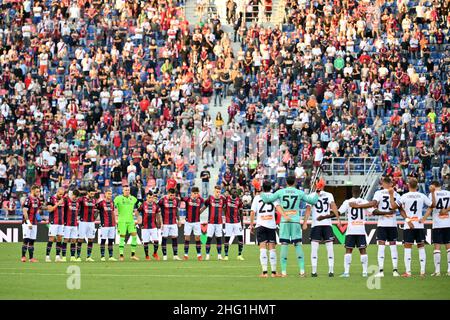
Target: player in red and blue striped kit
x: 194, y: 203
x: 108, y: 225
x: 169, y: 212
x: 86, y: 226
x: 216, y: 205
x: 31, y: 208
x: 71, y: 224
x: 233, y: 222
x: 55, y: 208
x: 151, y: 222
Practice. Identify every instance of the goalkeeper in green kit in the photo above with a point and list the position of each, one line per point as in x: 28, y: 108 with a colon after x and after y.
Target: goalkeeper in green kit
x: 290, y: 230
x: 126, y: 206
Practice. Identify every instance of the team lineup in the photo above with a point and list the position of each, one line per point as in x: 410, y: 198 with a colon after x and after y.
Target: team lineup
x: 72, y: 219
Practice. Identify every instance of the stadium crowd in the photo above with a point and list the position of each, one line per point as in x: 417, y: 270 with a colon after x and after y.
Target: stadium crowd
x: 93, y: 91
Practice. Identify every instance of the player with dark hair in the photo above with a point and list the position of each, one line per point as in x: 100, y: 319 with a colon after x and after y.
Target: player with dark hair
x: 169, y: 211
x: 31, y: 208
x: 150, y: 221
x: 86, y: 226
x: 233, y: 222
x: 71, y: 208
x: 108, y: 225
x: 55, y: 207
x: 216, y: 204
x: 194, y: 204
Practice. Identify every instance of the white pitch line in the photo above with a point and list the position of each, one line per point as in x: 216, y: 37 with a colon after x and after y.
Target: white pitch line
x: 125, y: 275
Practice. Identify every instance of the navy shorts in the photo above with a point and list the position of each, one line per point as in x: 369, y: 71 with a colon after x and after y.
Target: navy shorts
x: 264, y: 234
x: 440, y: 236
x: 355, y: 241
x: 409, y: 235
x: 322, y: 233
x: 387, y: 233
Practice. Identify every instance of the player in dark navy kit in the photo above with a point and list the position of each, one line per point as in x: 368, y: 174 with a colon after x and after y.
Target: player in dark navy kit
x: 86, y: 226
x: 71, y: 224
x: 31, y: 208
x: 194, y: 204
x: 55, y: 207
x: 150, y: 219
x: 233, y: 222
x: 108, y: 225
x: 169, y: 212
x: 216, y: 205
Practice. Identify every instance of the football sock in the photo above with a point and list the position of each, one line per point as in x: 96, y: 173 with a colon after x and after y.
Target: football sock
x: 31, y: 248
x: 24, y: 247
x: 364, y: 262
x: 273, y: 260
x: 208, y: 245
x: 80, y: 244
x: 408, y: 260
x: 448, y: 260
x: 164, y: 246
x: 423, y: 259
x: 102, y: 247
x: 58, y: 248
x: 145, y: 244
x: 227, y: 245
x: 283, y: 257
x: 381, y: 248
x: 155, y: 247
x: 198, y: 246
x: 49, y: 248
x: 314, y: 252
x: 121, y: 245
x: 219, y: 245
x: 64, y: 248
x: 73, y: 248
x: 347, y: 262
x: 330, y: 254
x: 111, y: 247
x: 186, y: 247
x: 89, y: 248
x: 263, y: 259
x: 300, y: 256
x: 437, y: 260
x: 394, y: 256
x: 240, y: 244
x: 133, y: 245
x: 175, y: 246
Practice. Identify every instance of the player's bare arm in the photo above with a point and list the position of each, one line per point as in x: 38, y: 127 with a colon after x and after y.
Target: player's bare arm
x: 377, y: 212
x: 392, y: 202
x: 426, y: 215
x: 305, y: 219
x: 367, y: 205
x: 335, y: 210
x: 252, y: 220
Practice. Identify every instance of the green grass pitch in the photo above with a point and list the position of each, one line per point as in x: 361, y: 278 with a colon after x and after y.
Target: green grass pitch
x: 210, y: 279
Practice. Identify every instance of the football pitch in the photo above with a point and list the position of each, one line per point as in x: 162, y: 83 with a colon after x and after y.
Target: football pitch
x: 212, y: 279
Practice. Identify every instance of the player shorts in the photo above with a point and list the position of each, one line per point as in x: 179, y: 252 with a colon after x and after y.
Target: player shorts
x: 440, y: 236
x: 290, y: 232
x: 29, y: 233
x: 387, y: 234
x: 170, y: 230
x: 409, y: 235
x: 125, y: 227
x: 86, y: 230
x: 149, y: 235
x: 55, y: 230
x: 192, y: 226
x: 322, y: 233
x: 267, y: 235
x: 233, y: 229
x: 70, y: 232
x: 214, y: 229
x: 355, y: 241
x: 108, y: 233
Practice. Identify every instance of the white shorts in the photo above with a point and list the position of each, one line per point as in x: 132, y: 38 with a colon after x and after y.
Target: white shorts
x: 192, y: 226
x: 55, y: 230
x: 86, y: 230
x: 108, y: 233
x: 170, y: 230
x: 70, y: 232
x: 149, y: 235
x: 233, y: 229
x: 214, y: 229
x: 29, y: 233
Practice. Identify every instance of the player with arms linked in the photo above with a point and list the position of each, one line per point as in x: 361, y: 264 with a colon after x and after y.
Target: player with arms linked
x: 31, y: 208
x: 150, y: 220
x: 55, y: 208
x: 107, y: 215
x: 194, y: 204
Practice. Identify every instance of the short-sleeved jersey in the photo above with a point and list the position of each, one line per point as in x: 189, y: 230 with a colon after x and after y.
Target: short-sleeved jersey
x: 414, y: 203
x: 56, y: 216
x: 384, y: 204
x: 355, y: 216
x: 442, y: 202
x: 149, y: 212
x: 233, y: 209
x: 70, y: 212
x: 290, y: 200
x: 193, y: 208
x: 86, y: 209
x: 106, y: 213
x: 169, y: 209
x: 265, y: 212
x: 125, y: 207
x: 321, y: 208
x: 216, y: 207
x: 33, y: 206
